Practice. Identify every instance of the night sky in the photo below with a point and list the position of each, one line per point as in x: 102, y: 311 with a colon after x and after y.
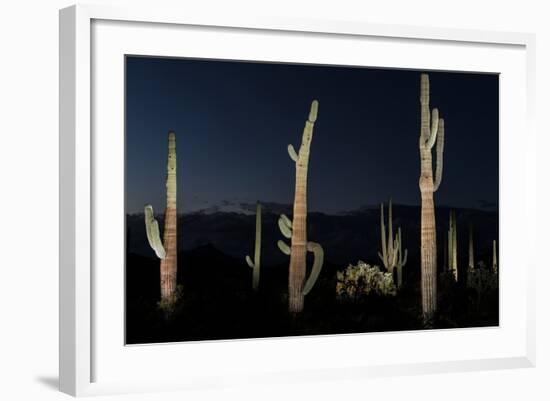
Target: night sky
x: 233, y: 121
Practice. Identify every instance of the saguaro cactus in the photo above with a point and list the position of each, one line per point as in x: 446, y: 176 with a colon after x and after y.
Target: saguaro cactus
x: 166, y: 250
x: 495, y: 266
x: 452, y: 245
x: 257, y: 249
x: 431, y: 129
x: 401, y: 259
x: 285, y: 225
x: 391, y: 255
x: 297, y: 230
x: 471, y: 261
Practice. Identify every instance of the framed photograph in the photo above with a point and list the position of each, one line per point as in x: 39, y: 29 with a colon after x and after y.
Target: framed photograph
x: 268, y: 200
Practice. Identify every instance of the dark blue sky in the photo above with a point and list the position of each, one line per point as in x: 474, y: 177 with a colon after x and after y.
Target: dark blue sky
x: 233, y: 121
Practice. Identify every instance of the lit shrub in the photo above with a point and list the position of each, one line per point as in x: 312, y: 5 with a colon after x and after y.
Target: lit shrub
x: 359, y: 281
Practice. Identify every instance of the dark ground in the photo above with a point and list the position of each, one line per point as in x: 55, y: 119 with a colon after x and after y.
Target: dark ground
x: 217, y: 300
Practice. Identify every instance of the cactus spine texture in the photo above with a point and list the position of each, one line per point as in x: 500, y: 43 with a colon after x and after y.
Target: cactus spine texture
x: 452, y: 245
x: 257, y: 249
x: 392, y: 255
x: 166, y: 250
x: 296, y: 230
x: 431, y: 130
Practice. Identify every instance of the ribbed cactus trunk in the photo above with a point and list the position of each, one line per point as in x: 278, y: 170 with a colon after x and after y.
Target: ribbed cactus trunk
x: 494, y: 265
x: 169, y: 265
x: 428, y: 256
x: 255, y: 265
x: 428, y: 244
x: 298, y: 250
x: 452, y: 245
x: 471, y: 260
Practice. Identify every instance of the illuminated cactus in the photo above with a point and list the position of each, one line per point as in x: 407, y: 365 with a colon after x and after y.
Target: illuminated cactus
x: 452, y: 245
x: 296, y: 230
x: 471, y: 261
x: 495, y: 266
x: 431, y: 129
x: 285, y: 226
x: 401, y: 259
x: 391, y: 255
x: 166, y: 251
x: 257, y: 249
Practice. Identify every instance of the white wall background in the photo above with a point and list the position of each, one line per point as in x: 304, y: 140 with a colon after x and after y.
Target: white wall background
x: 29, y: 199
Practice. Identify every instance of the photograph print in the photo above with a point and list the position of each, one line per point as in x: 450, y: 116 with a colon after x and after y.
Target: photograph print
x: 278, y: 199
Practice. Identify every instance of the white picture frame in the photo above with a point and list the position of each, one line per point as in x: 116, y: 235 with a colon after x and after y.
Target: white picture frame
x: 82, y: 345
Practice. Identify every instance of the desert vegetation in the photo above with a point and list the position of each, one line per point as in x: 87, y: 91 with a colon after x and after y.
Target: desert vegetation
x: 209, y: 295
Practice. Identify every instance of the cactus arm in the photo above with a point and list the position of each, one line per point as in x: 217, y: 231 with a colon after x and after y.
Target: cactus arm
x: 390, y: 224
x: 384, y: 255
x: 471, y: 261
x: 394, y: 254
x: 392, y: 245
x: 449, y: 249
x: 249, y: 261
x: 292, y: 153
x: 425, y: 108
x: 283, y: 247
x: 434, y: 130
x: 258, y: 244
x: 402, y: 262
x: 285, y: 225
x: 153, y: 232
x: 495, y: 265
x: 313, y: 111
x: 257, y: 249
x: 318, y: 254
x: 439, y: 156
x: 285, y: 230
x: 402, y: 256
x: 286, y: 220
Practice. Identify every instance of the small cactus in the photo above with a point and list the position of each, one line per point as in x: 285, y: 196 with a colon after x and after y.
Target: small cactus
x: 452, y: 245
x: 471, y: 261
x: 392, y: 256
x: 257, y: 249
x: 401, y: 259
x: 495, y: 266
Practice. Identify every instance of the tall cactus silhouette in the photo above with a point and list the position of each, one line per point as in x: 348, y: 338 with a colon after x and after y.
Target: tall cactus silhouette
x: 166, y: 251
x: 401, y: 259
x: 392, y: 256
x: 431, y: 129
x: 296, y: 230
x: 471, y: 256
x: 257, y: 249
x: 452, y: 245
x: 495, y: 265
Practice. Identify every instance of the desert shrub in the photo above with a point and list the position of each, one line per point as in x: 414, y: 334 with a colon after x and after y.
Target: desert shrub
x: 359, y: 281
x: 482, y: 280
